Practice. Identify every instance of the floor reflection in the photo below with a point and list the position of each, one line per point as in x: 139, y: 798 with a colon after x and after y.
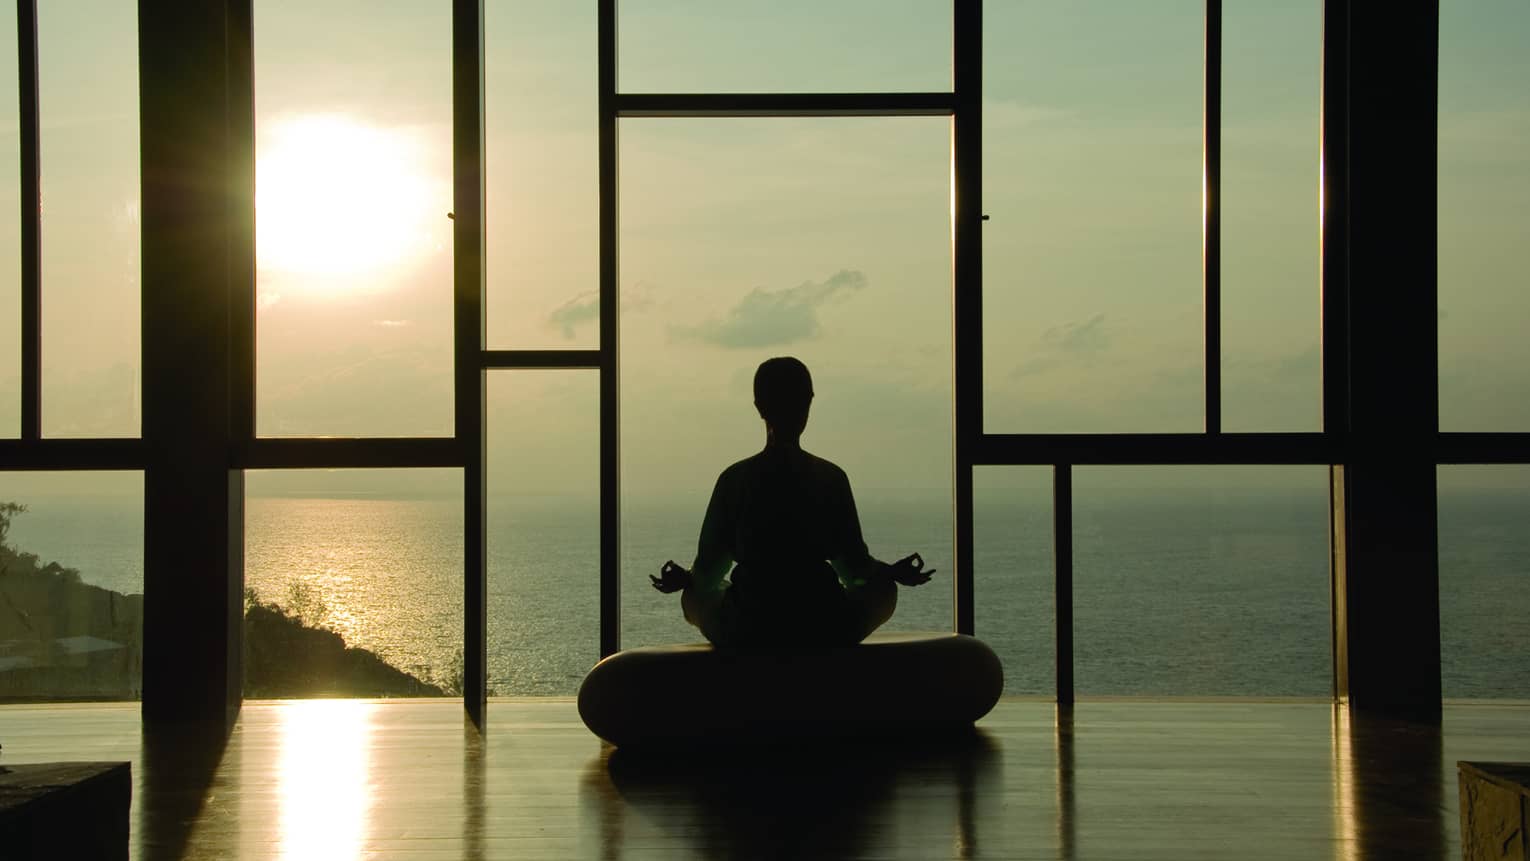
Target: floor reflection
x: 177, y: 764
x: 1137, y: 779
x: 1390, y: 799
x: 849, y: 800
x: 474, y: 780
x: 1067, y: 804
x: 325, y: 794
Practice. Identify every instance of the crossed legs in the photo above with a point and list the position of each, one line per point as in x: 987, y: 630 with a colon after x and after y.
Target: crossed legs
x: 866, y: 608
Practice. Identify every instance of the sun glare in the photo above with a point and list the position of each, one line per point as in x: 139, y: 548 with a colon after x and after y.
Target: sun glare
x: 323, y: 781
x: 342, y: 205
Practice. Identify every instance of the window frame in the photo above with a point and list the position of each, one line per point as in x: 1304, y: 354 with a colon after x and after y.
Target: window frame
x: 1349, y: 432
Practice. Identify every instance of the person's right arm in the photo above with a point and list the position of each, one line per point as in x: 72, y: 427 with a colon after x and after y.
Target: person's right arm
x: 714, y: 549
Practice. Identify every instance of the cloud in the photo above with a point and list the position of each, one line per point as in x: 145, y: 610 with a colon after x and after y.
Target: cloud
x: 584, y: 308
x: 1060, y: 344
x: 1086, y: 337
x: 772, y: 318
x: 638, y: 297
x: 1306, y: 365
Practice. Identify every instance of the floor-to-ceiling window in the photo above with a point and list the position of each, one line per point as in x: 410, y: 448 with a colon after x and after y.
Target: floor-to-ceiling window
x: 519, y: 433
x: 1484, y: 314
x: 71, y: 538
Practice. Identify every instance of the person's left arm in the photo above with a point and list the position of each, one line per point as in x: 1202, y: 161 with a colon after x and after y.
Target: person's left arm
x: 855, y: 565
x: 852, y: 561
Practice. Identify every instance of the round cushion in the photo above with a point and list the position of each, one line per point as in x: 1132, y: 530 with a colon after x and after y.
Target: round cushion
x: 696, y: 695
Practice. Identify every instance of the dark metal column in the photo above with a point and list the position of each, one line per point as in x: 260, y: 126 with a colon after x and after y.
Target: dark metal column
x: 196, y: 196
x: 468, y: 329
x: 610, y: 372
x: 1334, y: 264
x: 1385, y: 494
x: 241, y: 320
x: 967, y: 290
x: 1335, y: 305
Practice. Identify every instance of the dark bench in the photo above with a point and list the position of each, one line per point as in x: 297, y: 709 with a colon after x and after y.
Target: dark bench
x: 65, y: 810
x: 1494, y: 801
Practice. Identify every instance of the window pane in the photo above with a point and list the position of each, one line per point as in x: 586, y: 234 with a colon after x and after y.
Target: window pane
x: 1202, y: 581
x: 1484, y: 215
x: 1271, y: 84
x: 785, y: 46
x: 544, y: 531
x: 1016, y: 609
x: 10, y: 239
x: 353, y: 113
x: 353, y: 583
x: 71, y: 598
x: 543, y: 196
x: 1092, y: 177
x: 88, y: 104
x: 824, y: 239
x: 1485, y: 581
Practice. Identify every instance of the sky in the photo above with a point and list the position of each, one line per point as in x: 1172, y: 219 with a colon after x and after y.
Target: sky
x: 740, y: 239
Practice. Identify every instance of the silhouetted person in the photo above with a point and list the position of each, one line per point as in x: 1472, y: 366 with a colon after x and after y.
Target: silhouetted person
x: 788, y: 519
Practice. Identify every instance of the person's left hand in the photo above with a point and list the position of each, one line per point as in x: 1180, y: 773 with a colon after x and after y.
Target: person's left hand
x: 672, y: 578
x: 909, y: 571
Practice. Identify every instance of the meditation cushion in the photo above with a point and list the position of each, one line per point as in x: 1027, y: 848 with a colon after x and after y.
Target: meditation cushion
x: 695, y: 695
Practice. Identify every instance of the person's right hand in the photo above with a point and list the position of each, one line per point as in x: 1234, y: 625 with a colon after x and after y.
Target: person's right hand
x: 672, y: 578
x: 909, y: 571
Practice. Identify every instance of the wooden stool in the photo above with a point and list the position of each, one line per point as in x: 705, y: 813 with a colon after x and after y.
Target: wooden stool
x: 1494, y: 801
x: 65, y: 810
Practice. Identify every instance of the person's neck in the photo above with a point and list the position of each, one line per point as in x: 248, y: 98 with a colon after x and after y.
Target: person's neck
x: 781, y: 442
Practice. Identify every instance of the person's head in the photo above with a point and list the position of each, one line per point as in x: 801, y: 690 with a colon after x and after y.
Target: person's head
x: 783, y: 391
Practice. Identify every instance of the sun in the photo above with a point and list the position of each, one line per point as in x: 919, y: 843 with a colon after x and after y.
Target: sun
x: 342, y: 205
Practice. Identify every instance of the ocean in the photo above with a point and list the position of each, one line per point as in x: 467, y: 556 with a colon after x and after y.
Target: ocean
x: 1192, y: 593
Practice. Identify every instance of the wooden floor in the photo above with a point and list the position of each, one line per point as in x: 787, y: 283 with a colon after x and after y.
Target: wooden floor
x: 346, y: 779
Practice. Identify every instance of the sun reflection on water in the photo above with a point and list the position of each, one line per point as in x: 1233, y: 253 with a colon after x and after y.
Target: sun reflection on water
x: 323, y: 778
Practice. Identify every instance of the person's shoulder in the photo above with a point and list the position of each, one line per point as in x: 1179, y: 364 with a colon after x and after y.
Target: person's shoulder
x: 741, y: 468
x: 826, y: 468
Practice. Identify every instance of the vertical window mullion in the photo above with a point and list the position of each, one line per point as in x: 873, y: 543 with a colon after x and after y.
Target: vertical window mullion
x: 468, y: 334
x: 1062, y: 590
x: 967, y: 289
x: 31, y: 221
x: 1211, y: 226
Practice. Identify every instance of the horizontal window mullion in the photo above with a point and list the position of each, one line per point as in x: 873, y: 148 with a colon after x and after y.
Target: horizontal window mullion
x: 784, y: 104
x: 71, y: 454
x: 513, y: 360
x: 1464, y: 448
x: 1185, y: 449
x: 349, y: 453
